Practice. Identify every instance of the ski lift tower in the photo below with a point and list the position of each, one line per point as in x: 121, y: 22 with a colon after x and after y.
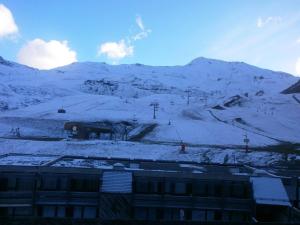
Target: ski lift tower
x: 188, y: 91
x: 246, y: 141
x: 155, y: 106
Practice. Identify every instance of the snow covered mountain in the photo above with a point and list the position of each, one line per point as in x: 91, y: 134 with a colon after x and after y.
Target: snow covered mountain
x: 227, y: 101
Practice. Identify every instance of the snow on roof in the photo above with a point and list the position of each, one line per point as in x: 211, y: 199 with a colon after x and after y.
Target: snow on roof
x: 83, y: 163
x: 24, y: 160
x: 269, y: 191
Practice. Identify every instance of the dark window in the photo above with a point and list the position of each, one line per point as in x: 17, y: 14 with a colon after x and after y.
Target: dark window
x: 140, y: 213
x: 168, y: 187
x: 151, y: 214
x: 237, y: 190
x: 77, y: 184
x: 77, y: 212
x: 180, y: 188
x: 3, y: 184
x: 3, y: 211
x: 151, y: 187
x: 62, y: 183
x: 210, y: 189
x: 200, y: 189
x: 246, y: 191
x: 218, y: 190
x: 23, y: 211
x: 39, y: 211
x: 89, y: 212
x: 49, y: 184
x: 218, y: 215
x: 141, y: 187
x: 188, y: 214
x: 24, y: 184
x: 91, y: 185
x: 160, y: 187
x: 69, y: 211
x: 84, y: 185
x: 189, y: 189
x: 159, y: 214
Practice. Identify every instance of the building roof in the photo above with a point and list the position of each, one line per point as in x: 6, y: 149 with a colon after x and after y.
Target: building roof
x: 269, y: 191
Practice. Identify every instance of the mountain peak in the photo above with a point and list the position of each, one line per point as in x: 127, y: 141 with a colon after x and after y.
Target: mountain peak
x: 5, y: 62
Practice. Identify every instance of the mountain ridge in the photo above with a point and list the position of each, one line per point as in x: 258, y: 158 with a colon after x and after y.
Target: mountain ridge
x: 207, y: 102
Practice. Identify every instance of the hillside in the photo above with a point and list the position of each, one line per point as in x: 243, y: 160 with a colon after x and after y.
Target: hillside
x: 227, y: 101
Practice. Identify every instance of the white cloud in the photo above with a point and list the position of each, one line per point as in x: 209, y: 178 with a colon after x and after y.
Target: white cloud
x: 269, y: 20
x: 116, y: 50
x: 298, y: 67
x: 139, y: 22
x: 298, y: 41
x: 8, y: 26
x: 143, y: 32
x: 46, y: 55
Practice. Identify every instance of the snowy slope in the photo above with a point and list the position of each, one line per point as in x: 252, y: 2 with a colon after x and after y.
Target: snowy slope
x: 248, y: 99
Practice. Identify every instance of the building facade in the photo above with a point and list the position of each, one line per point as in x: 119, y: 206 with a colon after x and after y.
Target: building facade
x: 136, y: 191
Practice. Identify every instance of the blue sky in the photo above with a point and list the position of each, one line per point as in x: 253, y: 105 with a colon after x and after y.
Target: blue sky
x: 263, y: 33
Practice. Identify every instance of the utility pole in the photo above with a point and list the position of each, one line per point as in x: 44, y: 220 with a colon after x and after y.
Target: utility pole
x: 188, y: 91
x: 246, y: 141
x: 155, y: 108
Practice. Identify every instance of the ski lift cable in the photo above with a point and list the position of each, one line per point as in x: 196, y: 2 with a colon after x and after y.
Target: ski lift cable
x: 179, y: 137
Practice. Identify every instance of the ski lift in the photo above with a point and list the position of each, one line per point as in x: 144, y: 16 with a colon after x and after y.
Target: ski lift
x: 134, y: 119
x: 61, y: 110
x: 182, y: 148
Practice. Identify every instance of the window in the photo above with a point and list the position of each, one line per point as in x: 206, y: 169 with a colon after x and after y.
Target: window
x: 61, y: 212
x: 3, y: 184
x: 141, y: 187
x: 237, y: 216
x: 90, y: 212
x: 151, y: 214
x: 218, y: 190
x: 84, y: 185
x: 91, y: 185
x: 198, y: 215
x: 237, y: 190
x: 210, y: 189
x: 189, y: 189
x: 169, y: 187
x: 159, y: 213
x: 3, y: 211
x: 218, y: 215
x: 77, y: 212
x: 69, y: 211
x: 180, y: 188
x: 152, y: 187
x: 48, y: 211
x: 168, y: 214
x: 62, y: 183
x: 200, y: 189
x: 160, y: 187
x: 23, y: 211
x: 210, y: 215
x: 140, y: 213
x: 188, y: 214
x: 24, y: 183
x: 49, y: 184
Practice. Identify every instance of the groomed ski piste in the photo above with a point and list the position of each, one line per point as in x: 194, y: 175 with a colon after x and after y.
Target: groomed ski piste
x: 227, y: 102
